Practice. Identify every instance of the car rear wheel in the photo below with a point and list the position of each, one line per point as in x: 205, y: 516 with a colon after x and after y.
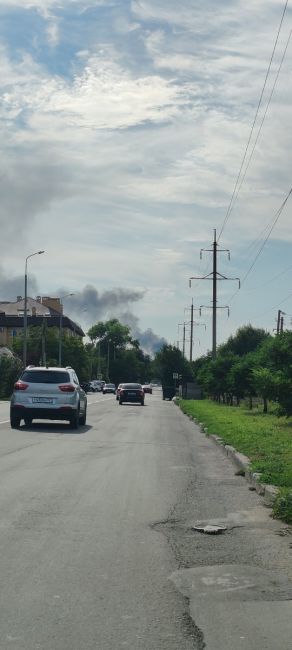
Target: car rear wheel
x: 15, y: 421
x: 142, y: 403
x: 120, y: 402
x: 27, y: 422
x: 74, y: 420
x: 82, y: 419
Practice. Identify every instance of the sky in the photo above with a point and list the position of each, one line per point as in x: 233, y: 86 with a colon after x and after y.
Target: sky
x: 124, y: 125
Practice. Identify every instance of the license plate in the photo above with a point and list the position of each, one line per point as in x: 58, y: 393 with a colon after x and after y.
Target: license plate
x: 42, y: 400
x: 132, y: 394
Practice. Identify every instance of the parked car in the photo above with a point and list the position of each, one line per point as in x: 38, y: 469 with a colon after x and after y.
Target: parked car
x: 86, y: 386
x: 147, y: 388
x: 48, y: 394
x: 131, y: 393
x: 109, y: 388
x: 97, y: 385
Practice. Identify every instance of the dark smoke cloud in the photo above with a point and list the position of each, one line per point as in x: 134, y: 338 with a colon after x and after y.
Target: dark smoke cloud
x: 90, y: 306
x: 11, y: 287
x: 93, y: 306
x: 149, y: 341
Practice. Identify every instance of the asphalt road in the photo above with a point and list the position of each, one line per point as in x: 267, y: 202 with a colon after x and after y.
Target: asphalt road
x: 97, y: 550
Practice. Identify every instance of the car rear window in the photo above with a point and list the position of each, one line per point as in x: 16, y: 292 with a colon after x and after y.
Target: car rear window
x: 132, y: 385
x: 45, y: 377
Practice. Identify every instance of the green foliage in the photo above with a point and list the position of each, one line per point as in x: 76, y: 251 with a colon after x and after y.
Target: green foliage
x: 283, y: 506
x: 111, y: 332
x: 42, y: 341
x: 170, y: 360
x: 247, y: 339
x: 265, y: 439
x: 241, y: 376
x: 265, y: 382
x: 251, y: 363
x: 9, y: 372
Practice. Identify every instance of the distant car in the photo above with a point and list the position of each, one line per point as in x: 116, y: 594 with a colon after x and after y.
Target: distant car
x: 48, y: 394
x: 96, y: 386
x: 147, y: 388
x: 86, y: 386
x: 109, y: 388
x: 131, y: 393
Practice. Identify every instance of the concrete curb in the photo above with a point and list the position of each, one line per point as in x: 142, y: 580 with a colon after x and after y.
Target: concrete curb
x: 243, y: 463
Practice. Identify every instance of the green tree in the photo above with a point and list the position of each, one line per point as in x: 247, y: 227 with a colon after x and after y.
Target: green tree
x: 265, y: 383
x: 247, y: 339
x: 170, y: 360
x: 74, y: 352
x: 241, y: 377
x: 10, y: 368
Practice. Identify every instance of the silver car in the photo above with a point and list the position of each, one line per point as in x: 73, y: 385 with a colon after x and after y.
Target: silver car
x: 48, y: 394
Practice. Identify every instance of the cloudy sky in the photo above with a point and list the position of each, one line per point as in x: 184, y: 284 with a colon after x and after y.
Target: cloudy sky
x: 123, y: 128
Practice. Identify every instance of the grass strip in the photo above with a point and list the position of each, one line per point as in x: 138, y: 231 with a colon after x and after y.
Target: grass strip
x: 265, y: 438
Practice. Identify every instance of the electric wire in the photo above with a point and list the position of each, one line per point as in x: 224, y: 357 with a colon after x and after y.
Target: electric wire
x: 263, y: 118
x: 233, y: 197
x: 276, y: 218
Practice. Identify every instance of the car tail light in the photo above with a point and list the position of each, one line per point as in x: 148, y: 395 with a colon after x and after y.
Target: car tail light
x: 20, y: 385
x: 67, y: 388
x: 141, y: 392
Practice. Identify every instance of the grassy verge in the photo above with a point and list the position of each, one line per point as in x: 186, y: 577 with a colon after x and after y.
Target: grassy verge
x: 265, y: 439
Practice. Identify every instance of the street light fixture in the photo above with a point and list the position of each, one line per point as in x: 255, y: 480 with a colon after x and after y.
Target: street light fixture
x: 60, y: 328
x: 25, y: 307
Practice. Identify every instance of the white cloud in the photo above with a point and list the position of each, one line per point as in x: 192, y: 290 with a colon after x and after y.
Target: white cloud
x: 133, y: 161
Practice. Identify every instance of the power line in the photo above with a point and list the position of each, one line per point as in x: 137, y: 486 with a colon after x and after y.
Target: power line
x: 278, y: 214
x: 233, y: 197
x: 263, y: 118
x: 275, y: 277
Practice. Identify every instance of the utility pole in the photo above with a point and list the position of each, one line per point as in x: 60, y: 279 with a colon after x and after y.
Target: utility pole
x: 192, y: 324
x: 44, y: 330
x: 214, y: 276
x: 280, y: 321
x: 184, y: 336
x: 184, y: 339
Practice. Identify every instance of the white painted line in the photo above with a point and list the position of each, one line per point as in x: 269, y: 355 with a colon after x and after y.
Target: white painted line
x: 4, y: 421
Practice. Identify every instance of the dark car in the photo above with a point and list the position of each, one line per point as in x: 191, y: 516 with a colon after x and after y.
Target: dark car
x: 131, y: 393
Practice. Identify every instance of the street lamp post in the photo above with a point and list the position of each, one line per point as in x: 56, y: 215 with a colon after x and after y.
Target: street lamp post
x: 25, y: 307
x: 61, y: 325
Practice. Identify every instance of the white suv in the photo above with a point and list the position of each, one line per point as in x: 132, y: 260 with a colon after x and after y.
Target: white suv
x: 48, y: 394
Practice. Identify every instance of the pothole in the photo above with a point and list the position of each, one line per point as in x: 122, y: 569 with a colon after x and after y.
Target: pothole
x: 209, y: 529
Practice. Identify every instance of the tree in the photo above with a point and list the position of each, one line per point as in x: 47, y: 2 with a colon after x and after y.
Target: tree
x: 169, y: 360
x: 10, y: 368
x: 241, y: 377
x: 73, y: 351
x: 247, y: 339
x: 265, y: 384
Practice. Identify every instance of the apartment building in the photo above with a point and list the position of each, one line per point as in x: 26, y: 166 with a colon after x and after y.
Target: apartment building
x: 43, y: 307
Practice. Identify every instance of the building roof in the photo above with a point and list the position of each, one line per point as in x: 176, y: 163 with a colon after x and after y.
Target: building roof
x: 11, y: 314
x: 13, y: 308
